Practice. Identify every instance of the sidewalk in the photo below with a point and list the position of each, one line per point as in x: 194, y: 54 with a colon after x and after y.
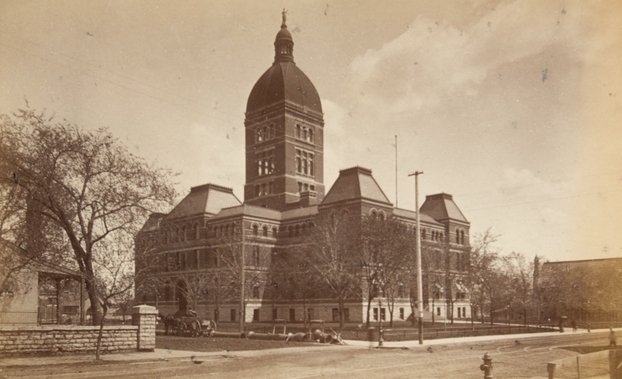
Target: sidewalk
x: 456, y: 340
x: 166, y: 355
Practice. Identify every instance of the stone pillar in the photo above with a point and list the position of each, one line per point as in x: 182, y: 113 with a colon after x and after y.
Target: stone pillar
x: 144, y: 316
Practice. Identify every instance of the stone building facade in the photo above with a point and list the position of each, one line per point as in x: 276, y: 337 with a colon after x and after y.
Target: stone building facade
x: 283, y: 194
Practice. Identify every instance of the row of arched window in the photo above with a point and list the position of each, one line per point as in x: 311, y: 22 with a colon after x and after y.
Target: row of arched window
x: 263, y: 231
x: 305, y: 133
x: 460, y: 236
x: 265, y: 133
x: 377, y: 214
x: 299, y: 229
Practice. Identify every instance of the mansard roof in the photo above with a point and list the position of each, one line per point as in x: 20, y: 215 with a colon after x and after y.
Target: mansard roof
x: 356, y: 183
x: 441, y: 207
x: 205, y: 199
x: 248, y: 210
x: 412, y: 216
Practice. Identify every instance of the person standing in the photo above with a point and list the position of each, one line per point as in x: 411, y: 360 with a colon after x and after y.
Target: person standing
x: 613, y: 339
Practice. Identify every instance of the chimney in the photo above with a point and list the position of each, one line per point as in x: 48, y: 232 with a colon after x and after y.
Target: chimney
x: 308, y: 198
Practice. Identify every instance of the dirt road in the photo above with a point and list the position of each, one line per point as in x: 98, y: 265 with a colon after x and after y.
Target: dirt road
x: 526, y: 358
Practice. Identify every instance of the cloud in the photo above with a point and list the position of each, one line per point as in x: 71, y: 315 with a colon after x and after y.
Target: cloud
x: 552, y: 218
x: 515, y: 181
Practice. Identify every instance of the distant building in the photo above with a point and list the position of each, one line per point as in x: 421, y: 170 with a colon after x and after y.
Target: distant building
x: 284, y: 192
x: 584, y: 290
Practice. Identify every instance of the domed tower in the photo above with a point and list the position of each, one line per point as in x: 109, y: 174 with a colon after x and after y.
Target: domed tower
x: 284, y: 134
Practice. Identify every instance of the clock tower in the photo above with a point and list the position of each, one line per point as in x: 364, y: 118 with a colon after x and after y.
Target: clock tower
x: 284, y: 134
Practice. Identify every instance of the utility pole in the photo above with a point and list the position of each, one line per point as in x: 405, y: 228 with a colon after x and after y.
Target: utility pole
x: 396, y: 171
x: 418, y: 239
x: 242, y: 284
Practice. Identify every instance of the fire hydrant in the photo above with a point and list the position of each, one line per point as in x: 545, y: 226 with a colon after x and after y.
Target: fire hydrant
x: 487, y: 366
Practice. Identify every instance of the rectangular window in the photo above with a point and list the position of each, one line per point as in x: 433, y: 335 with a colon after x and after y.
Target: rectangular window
x: 335, y: 314
x: 203, y: 261
x: 264, y: 188
x: 346, y: 314
x: 257, y: 191
x: 310, y: 314
x: 255, y: 314
x: 311, y: 164
x: 270, y: 189
x: 232, y: 314
x: 256, y: 255
x: 383, y: 314
x: 292, y: 315
x: 305, y: 169
x: 275, y: 314
x: 192, y: 260
x: 438, y: 311
x: 375, y: 314
x: 401, y: 313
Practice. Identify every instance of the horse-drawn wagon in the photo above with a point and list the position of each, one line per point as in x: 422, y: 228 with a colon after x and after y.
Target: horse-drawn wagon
x: 187, y: 323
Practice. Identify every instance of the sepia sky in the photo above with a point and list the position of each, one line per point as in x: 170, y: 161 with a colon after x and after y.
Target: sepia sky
x: 513, y: 107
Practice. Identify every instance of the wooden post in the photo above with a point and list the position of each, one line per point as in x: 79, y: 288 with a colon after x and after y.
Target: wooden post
x: 612, y: 364
x: 551, y: 369
x: 578, y: 367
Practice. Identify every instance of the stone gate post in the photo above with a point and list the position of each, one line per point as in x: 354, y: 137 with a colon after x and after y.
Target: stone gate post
x: 144, y: 316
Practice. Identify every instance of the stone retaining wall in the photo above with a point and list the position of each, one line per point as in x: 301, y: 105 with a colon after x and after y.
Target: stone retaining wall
x: 70, y: 338
x: 16, y: 340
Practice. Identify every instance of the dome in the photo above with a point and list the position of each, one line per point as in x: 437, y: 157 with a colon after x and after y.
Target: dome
x: 284, y: 34
x: 284, y: 82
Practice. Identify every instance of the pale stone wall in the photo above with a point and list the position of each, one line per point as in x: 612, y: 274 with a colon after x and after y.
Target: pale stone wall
x: 48, y: 339
x: 145, y: 318
x: 70, y: 338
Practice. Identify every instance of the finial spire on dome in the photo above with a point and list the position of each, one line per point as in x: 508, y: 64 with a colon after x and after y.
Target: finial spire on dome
x: 284, y: 44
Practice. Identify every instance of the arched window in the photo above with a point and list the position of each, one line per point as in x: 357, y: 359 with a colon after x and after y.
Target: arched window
x: 383, y: 216
x: 194, y: 235
x: 374, y: 214
x: 255, y: 230
x: 274, y: 231
x: 457, y: 236
x: 423, y: 236
x: 311, y: 135
x: 259, y: 136
x: 462, y: 237
x: 298, y: 130
x: 265, y: 231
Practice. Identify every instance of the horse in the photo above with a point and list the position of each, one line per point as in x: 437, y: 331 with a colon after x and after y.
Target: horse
x: 174, y: 323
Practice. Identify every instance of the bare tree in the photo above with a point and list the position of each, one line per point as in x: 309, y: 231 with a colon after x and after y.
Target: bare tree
x: 520, y: 274
x: 388, y: 249
x: 484, y: 272
x: 195, y: 286
x: 332, y: 249
x: 233, y: 262
x: 87, y: 185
